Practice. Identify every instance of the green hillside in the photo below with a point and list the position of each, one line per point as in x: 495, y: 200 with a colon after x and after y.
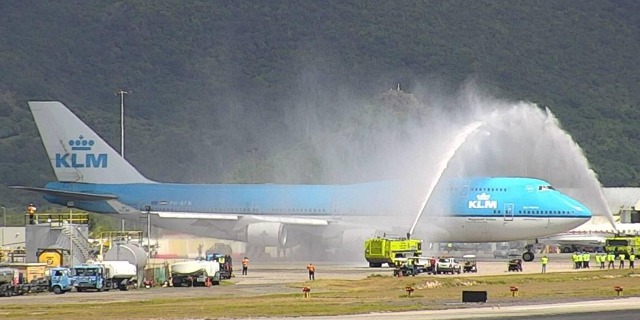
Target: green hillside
x: 224, y: 91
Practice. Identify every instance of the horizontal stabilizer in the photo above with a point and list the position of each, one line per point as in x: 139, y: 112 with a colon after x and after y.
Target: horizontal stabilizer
x: 78, y: 196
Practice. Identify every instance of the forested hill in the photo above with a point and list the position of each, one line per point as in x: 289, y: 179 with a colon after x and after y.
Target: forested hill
x: 215, y: 83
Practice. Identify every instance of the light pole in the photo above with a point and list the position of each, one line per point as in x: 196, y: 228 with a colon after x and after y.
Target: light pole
x: 122, y: 93
x: 4, y: 223
x: 148, y: 209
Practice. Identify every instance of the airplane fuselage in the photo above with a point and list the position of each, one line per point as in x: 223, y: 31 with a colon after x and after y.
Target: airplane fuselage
x: 464, y: 210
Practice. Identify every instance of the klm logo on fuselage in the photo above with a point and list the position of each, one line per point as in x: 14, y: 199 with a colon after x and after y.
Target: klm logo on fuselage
x: 81, y: 156
x: 483, y: 202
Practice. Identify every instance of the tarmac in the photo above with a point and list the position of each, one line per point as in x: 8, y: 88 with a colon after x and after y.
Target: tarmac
x: 275, y: 277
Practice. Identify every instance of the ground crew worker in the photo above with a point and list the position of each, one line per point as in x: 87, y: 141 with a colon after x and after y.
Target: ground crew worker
x: 312, y: 271
x: 31, y: 210
x: 245, y: 266
x: 574, y: 259
x: 611, y: 258
x: 632, y: 258
x: 544, y: 260
x: 603, y: 259
x: 586, y: 258
x: 598, y: 261
x: 578, y: 260
x: 621, y: 256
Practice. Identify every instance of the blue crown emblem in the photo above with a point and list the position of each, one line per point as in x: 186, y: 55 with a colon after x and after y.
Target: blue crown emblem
x: 81, y: 144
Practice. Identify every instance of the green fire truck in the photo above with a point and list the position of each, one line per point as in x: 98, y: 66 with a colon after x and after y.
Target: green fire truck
x: 378, y: 251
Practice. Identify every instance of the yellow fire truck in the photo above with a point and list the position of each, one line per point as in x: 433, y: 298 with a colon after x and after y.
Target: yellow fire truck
x: 378, y: 251
x: 623, y: 244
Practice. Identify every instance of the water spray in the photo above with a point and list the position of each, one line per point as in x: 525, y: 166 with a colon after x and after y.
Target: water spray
x: 458, y: 141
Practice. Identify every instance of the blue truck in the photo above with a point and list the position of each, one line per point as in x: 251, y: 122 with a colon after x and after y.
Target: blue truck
x: 91, y: 277
x: 60, y: 280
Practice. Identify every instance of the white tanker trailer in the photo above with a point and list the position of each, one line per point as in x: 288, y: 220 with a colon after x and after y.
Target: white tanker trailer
x: 195, y: 273
x: 122, y: 273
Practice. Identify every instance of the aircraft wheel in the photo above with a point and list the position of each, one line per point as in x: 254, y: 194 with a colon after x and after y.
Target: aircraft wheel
x: 528, y: 256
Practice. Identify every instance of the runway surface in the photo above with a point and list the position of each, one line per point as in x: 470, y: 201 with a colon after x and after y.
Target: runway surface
x: 276, y: 278
x: 622, y: 308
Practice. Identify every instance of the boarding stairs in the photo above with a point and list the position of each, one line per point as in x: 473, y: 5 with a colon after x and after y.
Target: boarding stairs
x: 81, y: 245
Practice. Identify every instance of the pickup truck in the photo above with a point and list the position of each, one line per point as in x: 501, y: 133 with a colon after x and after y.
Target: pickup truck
x: 448, y: 265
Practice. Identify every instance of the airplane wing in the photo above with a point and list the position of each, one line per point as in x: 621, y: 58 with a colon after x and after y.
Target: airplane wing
x: 244, y: 219
x: 122, y: 208
x: 79, y: 196
x: 194, y: 215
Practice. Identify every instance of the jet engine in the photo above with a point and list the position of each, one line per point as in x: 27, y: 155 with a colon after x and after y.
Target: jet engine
x: 267, y: 234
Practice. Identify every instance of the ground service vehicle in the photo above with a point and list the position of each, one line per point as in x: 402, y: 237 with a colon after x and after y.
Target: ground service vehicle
x: 378, y: 251
x: 60, y: 280
x: 226, y: 264
x: 515, y: 265
x: 195, y: 273
x: 470, y: 263
x: 122, y: 274
x: 622, y: 244
x: 8, y: 281
x: 91, y: 277
x: 415, y: 265
x: 448, y: 265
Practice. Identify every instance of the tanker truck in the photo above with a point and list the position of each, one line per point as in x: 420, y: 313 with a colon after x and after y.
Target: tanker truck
x: 195, y: 273
x: 122, y: 274
x: 8, y: 282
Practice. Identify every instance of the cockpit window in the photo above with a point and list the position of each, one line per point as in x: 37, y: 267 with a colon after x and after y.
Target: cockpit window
x: 547, y: 187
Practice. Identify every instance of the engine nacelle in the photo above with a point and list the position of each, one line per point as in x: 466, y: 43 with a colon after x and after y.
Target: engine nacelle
x: 268, y: 234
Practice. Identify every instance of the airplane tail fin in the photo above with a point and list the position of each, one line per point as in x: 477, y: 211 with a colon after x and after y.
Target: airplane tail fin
x: 77, y: 153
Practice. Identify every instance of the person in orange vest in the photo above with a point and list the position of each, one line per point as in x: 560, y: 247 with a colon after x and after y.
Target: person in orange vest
x: 312, y: 271
x: 31, y: 210
x: 245, y: 266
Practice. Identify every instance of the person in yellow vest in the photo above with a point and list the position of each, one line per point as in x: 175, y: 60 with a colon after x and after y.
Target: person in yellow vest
x: 621, y: 256
x: 574, y: 259
x: 544, y: 260
x: 603, y: 259
x: 632, y: 258
x: 611, y: 258
x: 598, y: 260
x: 586, y: 258
x: 578, y: 260
x: 31, y: 210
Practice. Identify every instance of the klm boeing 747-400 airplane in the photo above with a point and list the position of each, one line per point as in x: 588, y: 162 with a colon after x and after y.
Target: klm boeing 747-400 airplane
x: 92, y: 176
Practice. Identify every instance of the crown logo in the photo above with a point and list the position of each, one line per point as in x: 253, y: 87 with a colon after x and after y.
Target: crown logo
x: 483, y: 197
x: 81, y: 144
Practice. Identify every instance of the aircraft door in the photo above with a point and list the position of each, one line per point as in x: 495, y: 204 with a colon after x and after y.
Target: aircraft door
x: 508, y: 211
x: 463, y: 190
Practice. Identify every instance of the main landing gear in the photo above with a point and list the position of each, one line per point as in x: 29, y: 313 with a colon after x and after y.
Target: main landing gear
x: 528, y: 256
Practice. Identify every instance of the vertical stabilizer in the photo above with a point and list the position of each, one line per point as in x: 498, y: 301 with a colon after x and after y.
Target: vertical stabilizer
x: 77, y: 153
